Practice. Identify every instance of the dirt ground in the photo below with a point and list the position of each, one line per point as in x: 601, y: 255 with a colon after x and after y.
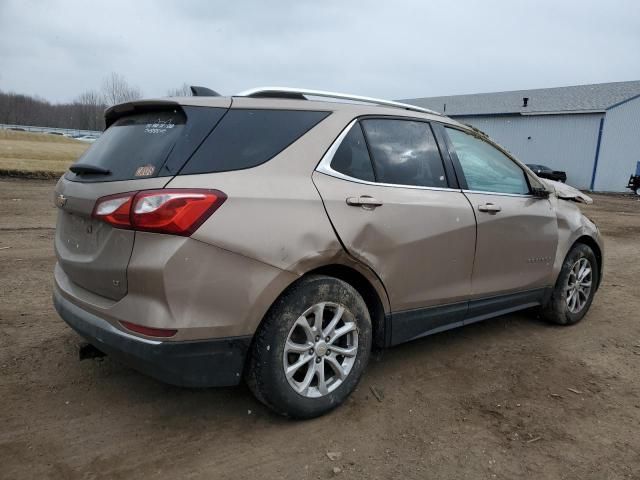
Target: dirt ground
x: 508, y: 398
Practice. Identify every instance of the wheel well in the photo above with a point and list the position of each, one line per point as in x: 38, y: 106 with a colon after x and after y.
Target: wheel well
x: 368, y: 293
x: 591, y: 243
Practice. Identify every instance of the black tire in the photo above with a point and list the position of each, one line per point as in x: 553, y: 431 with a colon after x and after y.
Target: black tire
x: 265, y: 373
x: 557, y: 310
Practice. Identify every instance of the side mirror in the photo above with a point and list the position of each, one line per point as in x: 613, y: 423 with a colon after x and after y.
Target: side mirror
x: 540, y: 192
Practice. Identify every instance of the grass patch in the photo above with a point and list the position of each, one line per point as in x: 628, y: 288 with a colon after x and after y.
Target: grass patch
x: 37, y: 155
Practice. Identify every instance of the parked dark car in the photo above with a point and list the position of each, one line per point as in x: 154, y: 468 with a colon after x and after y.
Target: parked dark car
x: 545, y: 172
x: 634, y: 184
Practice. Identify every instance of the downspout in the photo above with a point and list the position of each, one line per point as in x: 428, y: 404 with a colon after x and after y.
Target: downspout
x: 595, y: 161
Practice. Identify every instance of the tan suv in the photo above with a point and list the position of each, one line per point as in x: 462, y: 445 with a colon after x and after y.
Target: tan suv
x: 271, y: 237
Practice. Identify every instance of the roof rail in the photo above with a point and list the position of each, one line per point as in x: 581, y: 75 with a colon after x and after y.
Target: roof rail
x: 300, y: 93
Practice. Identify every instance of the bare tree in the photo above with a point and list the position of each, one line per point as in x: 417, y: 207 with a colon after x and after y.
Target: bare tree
x: 90, y: 110
x: 117, y: 90
x: 84, y: 113
x: 183, y: 91
x: 90, y: 97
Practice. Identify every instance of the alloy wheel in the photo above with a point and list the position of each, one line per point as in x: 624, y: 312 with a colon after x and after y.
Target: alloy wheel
x: 579, y: 285
x: 320, y: 350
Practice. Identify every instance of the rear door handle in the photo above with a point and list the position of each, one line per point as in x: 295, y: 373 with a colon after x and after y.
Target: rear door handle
x: 489, y: 207
x: 364, y: 201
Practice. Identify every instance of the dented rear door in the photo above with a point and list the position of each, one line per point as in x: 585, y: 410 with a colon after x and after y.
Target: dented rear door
x: 385, y: 190
x: 419, y: 242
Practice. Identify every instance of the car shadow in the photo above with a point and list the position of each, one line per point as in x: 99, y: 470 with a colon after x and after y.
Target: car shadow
x: 181, y: 408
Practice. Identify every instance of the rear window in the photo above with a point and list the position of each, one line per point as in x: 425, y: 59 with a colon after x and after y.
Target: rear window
x: 135, y: 146
x: 247, y: 138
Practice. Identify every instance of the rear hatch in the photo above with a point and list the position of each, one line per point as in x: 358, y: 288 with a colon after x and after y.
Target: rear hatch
x: 144, y: 146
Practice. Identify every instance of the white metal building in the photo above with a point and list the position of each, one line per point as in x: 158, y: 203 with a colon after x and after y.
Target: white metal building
x: 590, y: 131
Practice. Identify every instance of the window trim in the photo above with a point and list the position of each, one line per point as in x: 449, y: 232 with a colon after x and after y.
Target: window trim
x: 335, y: 146
x: 324, y: 166
x: 460, y: 172
x: 501, y: 194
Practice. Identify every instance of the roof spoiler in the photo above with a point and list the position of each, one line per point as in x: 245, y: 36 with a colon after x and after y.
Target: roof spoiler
x: 113, y: 113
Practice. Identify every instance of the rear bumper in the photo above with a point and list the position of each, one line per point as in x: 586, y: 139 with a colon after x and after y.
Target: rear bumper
x: 203, y: 363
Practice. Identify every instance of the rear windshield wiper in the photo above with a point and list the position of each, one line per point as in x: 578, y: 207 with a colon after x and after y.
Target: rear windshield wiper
x: 80, y: 168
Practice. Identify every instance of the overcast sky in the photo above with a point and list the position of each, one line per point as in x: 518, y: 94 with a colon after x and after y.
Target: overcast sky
x: 391, y: 48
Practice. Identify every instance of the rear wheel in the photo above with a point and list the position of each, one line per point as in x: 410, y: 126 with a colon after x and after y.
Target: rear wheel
x: 638, y: 191
x: 575, y: 287
x: 311, y: 349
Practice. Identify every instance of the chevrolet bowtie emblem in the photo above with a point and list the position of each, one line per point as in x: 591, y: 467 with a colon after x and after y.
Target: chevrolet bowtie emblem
x: 61, y: 200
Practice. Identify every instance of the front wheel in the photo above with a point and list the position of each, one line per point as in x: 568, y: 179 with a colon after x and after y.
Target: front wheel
x: 575, y: 287
x: 311, y: 349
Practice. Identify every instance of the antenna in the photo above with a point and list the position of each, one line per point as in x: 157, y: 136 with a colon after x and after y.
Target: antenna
x: 203, y: 92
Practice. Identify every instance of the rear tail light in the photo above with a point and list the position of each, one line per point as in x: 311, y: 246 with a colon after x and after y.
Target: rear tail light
x: 114, y: 209
x: 171, y: 211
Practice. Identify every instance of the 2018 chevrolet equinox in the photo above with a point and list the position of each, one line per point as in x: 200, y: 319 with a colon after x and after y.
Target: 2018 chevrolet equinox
x: 278, y: 235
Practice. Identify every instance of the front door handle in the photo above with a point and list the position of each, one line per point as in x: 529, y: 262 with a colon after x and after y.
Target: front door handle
x: 364, y: 201
x: 489, y: 207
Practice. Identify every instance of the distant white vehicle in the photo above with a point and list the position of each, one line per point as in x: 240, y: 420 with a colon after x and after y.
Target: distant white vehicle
x: 87, y: 138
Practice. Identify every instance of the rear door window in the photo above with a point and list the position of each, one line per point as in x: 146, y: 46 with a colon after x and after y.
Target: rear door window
x: 352, y: 157
x: 246, y: 138
x: 404, y: 152
x: 135, y: 146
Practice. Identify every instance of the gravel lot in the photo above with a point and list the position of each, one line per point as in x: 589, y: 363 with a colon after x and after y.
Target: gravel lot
x: 508, y: 398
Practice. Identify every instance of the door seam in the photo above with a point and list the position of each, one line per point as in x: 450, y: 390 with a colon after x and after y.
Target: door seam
x: 475, y: 245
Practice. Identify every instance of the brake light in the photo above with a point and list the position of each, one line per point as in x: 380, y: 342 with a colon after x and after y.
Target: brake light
x: 149, y: 331
x: 171, y: 211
